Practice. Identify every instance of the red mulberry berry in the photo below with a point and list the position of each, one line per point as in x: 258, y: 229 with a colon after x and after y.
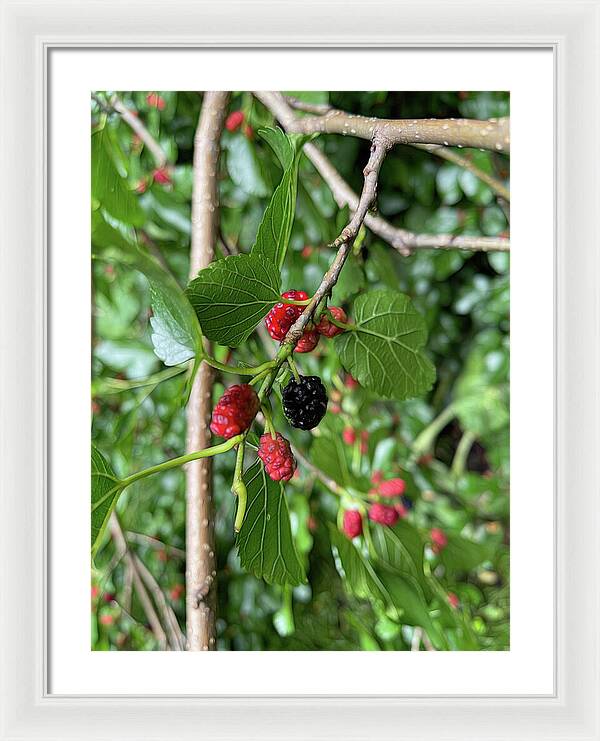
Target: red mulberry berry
x: 349, y: 436
x: 155, y: 101
x: 282, y: 316
x: 401, y: 510
x: 453, y: 600
x: 351, y: 382
x: 234, y: 411
x: 376, y: 477
x: 352, y: 523
x: 326, y: 328
x: 383, y: 514
x: 308, y: 341
x: 234, y: 120
x: 392, y: 488
x: 364, y: 442
x: 439, y: 540
x: 277, y: 456
x: 162, y: 176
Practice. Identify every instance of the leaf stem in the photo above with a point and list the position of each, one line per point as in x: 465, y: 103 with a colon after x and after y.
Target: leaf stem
x: 426, y: 438
x: 463, y: 448
x: 182, y: 460
x: 240, y: 370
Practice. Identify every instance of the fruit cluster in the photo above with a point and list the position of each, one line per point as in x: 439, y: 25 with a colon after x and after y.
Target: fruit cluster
x: 283, y: 315
x: 379, y: 512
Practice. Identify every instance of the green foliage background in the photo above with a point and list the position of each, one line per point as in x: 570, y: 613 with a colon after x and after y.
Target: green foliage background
x: 464, y: 298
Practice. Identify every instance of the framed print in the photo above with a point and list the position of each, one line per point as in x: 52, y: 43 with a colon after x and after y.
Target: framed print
x: 331, y: 298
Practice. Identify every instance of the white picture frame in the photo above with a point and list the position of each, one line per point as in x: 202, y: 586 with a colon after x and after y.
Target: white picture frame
x: 29, y: 31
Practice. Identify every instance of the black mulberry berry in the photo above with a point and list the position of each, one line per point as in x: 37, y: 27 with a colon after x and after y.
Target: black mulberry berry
x: 305, y: 402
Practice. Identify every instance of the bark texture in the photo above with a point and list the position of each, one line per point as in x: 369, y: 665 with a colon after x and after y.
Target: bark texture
x: 201, y: 568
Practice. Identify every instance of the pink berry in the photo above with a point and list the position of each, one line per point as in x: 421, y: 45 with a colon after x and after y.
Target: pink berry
x: 326, y: 327
x: 392, y: 488
x: 352, y: 523
x: 281, y: 317
x: 277, y: 456
x: 349, y: 436
x: 234, y: 411
x: 453, y: 600
x: 439, y: 540
x: 234, y: 120
x: 383, y: 514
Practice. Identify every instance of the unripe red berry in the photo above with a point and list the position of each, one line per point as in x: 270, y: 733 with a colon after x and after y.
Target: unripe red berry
x: 176, y: 591
x: 349, y: 436
x: 439, y: 539
x: 141, y: 186
x: 335, y: 408
x: 308, y: 341
x: 326, y: 328
x: 162, y: 176
x: 248, y: 132
x: 156, y: 101
x: 453, y: 600
x: 234, y: 411
x: 350, y: 382
x: 383, y: 514
x: 307, y: 252
x: 392, y: 488
x: 95, y: 591
x: 106, y: 619
x: 277, y: 456
x: 352, y: 523
x: 234, y: 120
x: 401, y: 510
x: 281, y: 317
x: 377, y: 477
x: 364, y: 439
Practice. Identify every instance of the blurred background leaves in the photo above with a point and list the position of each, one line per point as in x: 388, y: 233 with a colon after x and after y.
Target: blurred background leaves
x: 452, y: 447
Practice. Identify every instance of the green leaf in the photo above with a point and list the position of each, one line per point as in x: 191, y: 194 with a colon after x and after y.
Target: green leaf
x: 357, y: 572
x: 232, y: 295
x: 106, y: 488
x: 384, y: 352
x: 461, y: 554
x: 265, y: 542
x: 408, y: 598
x: 400, y: 547
x: 280, y: 144
x: 275, y: 228
x: 244, y: 168
x: 109, y: 189
x: 176, y: 335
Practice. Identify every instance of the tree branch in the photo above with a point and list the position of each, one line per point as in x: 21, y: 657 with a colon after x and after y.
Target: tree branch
x: 448, y: 154
x: 402, y: 240
x: 176, y: 637
x: 145, y: 601
x: 200, y: 538
x: 138, y: 127
x: 379, y: 149
x: 493, y: 134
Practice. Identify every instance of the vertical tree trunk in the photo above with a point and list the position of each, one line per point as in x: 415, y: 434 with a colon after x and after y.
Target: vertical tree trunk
x: 201, y: 571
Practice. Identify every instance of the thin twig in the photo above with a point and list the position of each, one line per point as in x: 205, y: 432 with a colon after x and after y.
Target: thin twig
x: 493, y: 134
x: 151, y: 542
x: 200, y: 537
x: 138, y: 127
x: 451, y: 156
x: 379, y: 149
x: 175, y: 636
x: 326, y: 480
x: 402, y: 240
x: 145, y: 601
